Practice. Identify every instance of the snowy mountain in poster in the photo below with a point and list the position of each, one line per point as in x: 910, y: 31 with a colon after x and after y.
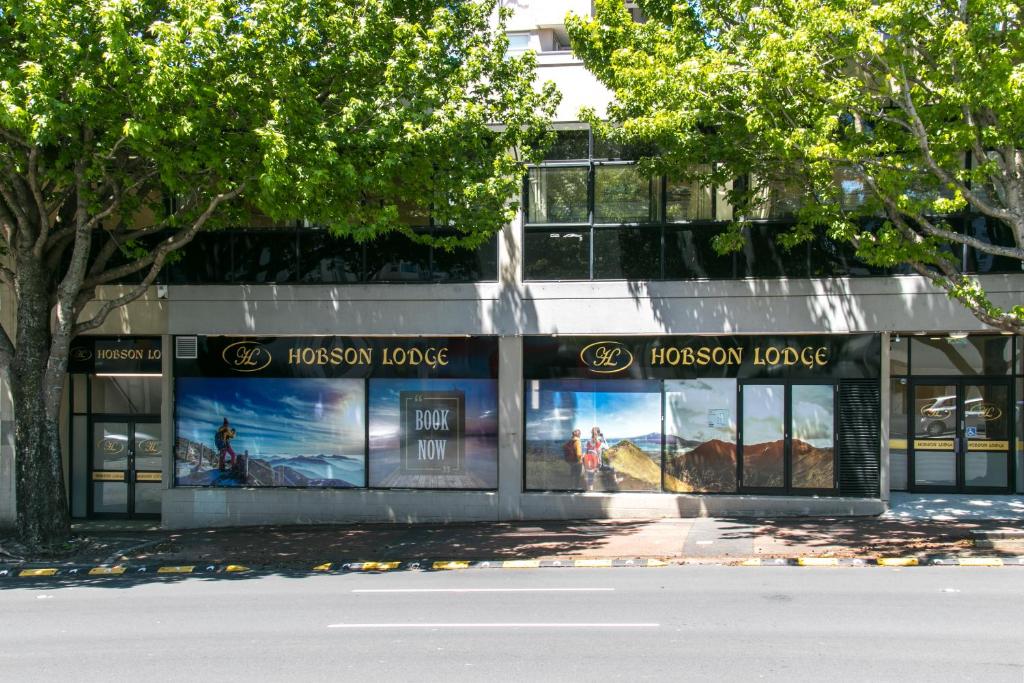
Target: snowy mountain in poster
x: 288, y: 432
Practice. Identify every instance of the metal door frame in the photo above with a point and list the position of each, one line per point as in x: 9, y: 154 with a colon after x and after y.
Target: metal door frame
x: 130, y: 473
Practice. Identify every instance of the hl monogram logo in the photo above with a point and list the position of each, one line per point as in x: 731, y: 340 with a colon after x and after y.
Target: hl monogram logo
x: 606, y: 357
x: 246, y: 356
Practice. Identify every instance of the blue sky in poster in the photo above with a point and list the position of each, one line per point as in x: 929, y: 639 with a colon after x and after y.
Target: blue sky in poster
x: 275, y: 417
x: 621, y: 408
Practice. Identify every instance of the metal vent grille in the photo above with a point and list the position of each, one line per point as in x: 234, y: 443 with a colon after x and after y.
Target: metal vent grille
x: 860, y: 423
x: 186, y: 348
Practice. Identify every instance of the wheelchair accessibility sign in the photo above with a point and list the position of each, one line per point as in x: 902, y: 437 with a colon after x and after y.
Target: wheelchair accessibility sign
x: 972, y: 432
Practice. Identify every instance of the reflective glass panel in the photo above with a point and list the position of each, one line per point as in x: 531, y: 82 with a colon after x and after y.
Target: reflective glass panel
x: 763, y: 436
x: 631, y: 253
x: 935, y: 422
x: 813, y: 440
x: 622, y: 194
x: 147, y: 498
x: 396, y: 258
x: 976, y: 355
x: 110, y: 446
x: 264, y: 256
x: 690, y: 254
x: 326, y: 259
x: 127, y: 395
x: 899, y: 391
x: 556, y: 255
x: 700, y: 436
x: 688, y: 200
x: 149, y: 450
x: 109, y: 497
x: 558, y: 195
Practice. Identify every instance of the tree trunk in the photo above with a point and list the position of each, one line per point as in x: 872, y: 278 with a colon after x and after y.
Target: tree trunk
x: 42, y: 503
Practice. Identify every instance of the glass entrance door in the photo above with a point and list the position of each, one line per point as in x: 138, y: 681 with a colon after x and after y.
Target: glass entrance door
x: 961, y: 436
x: 125, y: 468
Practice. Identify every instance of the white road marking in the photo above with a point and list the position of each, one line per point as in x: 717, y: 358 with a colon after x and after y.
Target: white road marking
x: 501, y: 625
x: 475, y: 590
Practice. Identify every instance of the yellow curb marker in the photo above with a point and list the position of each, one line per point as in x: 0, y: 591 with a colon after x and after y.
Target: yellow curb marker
x: 592, y: 563
x: 657, y: 563
x: 753, y: 562
x: 898, y: 562
x: 817, y: 561
x: 325, y: 567
x: 236, y: 568
x: 106, y: 571
x: 379, y: 566
x: 520, y: 564
x: 180, y: 569
x: 451, y: 564
x: 980, y: 561
x: 49, y: 571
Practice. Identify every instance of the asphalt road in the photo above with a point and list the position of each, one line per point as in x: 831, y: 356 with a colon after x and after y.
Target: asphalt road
x: 673, y: 623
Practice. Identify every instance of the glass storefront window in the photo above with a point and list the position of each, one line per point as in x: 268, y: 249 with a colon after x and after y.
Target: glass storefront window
x: 617, y: 428
x: 433, y: 434
x: 700, y: 436
x: 1020, y: 435
x: 763, y: 436
x: 899, y: 355
x: 975, y: 355
x: 558, y: 195
x: 688, y: 200
x: 622, y: 194
x: 813, y: 441
x: 127, y: 395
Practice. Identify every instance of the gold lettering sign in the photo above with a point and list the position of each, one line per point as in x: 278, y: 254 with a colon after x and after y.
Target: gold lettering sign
x: 81, y: 354
x: 808, y: 356
x: 148, y: 476
x: 985, y: 445
x: 108, y: 476
x: 432, y: 356
x: 149, y: 447
x: 111, y: 446
x: 986, y: 411
x: 933, y: 444
x: 606, y: 357
x: 246, y: 356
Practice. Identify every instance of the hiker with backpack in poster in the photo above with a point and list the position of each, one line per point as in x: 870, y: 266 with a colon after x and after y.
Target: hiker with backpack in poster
x: 573, y: 453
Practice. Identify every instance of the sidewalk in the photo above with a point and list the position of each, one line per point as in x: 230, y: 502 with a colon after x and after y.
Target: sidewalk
x: 697, y: 540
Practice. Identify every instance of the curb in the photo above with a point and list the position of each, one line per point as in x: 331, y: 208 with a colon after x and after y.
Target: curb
x: 126, y: 570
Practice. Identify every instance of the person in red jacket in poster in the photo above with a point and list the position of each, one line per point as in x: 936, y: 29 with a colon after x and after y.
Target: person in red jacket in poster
x: 223, y: 442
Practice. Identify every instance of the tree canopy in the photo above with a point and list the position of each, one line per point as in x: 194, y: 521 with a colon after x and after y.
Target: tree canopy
x: 128, y: 126
x: 900, y: 124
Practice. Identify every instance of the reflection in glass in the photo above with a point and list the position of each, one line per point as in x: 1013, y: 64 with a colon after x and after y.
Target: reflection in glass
x: 620, y: 435
x: 556, y: 255
x: 763, y: 436
x: 986, y: 469
x: 110, y: 446
x: 623, y: 194
x: 109, y: 497
x: 987, y: 412
x: 147, y: 498
x: 326, y: 259
x: 700, y: 435
x: 813, y: 441
x: 624, y: 252
x: 690, y: 254
x: 688, y: 200
x: 935, y: 419
x: 569, y: 144
x: 1020, y: 434
x: 767, y: 257
x: 127, y: 395
x: 558, y: 195
x: 934, y: 468
x: 898, y: 435
x: 149, y: 452
x: 975, y: 355
x: 995, y: 232
x: 264, y: 256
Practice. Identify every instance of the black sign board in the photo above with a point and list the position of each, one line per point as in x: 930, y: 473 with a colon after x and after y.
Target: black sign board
x: 116, y: 355
x: 350, y: 357
x: 854, y: 356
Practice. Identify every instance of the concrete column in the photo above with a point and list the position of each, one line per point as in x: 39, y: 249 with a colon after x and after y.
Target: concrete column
x: 510, y: 427
x: 883, y: 483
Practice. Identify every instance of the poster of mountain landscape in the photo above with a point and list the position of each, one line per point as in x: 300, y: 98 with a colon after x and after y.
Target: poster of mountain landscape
x: 627, y: 413
x: 434, y: 433
x: 813, y: 448
x: 269, y: 432
x: 700, y: 435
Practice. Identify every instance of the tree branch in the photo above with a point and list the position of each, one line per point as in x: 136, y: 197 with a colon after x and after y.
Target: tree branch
x: 37, y: 195
x: 172, y: 243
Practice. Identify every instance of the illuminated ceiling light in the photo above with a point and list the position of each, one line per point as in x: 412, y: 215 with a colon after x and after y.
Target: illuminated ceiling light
x: 129, y: 374
x: 958, y: 335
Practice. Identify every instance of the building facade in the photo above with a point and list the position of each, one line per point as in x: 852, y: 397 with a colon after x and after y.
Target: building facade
x: 282, y: 376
